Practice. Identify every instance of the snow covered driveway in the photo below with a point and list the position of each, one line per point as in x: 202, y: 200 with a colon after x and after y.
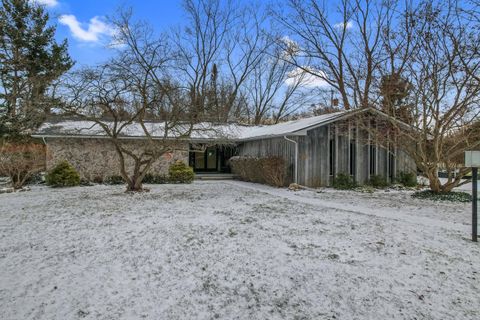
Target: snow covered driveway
x: 232, y: 250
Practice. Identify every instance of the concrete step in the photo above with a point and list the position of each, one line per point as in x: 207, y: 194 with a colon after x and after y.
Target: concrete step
x: 214, y: 176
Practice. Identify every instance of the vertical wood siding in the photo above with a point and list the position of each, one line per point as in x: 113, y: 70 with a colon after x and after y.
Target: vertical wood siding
x: 313, y: 155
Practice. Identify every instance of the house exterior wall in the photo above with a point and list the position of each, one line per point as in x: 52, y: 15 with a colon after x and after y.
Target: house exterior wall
x: 314, y: 155
x: 97, y: 158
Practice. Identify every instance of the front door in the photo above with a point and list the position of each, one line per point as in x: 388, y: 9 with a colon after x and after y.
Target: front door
x: 206, y: 161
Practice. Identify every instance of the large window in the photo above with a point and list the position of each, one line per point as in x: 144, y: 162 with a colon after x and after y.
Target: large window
x: 204, y: 158
x: 331, y: 152
x: 372, y: 151
x: 353, y: 158
x: 391, y: 163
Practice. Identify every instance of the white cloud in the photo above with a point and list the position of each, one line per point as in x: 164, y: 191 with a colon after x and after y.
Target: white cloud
x: 93, y: 32
x: 312, y: 79
x: 47, y: 3
x: 340, y: 25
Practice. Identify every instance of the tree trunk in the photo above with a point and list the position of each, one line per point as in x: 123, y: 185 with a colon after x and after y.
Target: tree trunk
x: 134, y: 187
x: 434, y: 181
x: 437, y: 186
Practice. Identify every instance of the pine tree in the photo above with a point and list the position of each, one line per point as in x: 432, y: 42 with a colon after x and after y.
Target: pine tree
x: 30, y: 62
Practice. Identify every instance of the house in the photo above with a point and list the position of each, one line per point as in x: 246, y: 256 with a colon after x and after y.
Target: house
x: 315, y: 149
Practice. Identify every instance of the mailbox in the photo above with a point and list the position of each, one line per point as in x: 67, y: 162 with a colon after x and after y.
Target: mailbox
x: 472, y: 159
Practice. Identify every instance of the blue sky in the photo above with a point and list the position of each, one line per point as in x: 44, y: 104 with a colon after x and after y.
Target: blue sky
x: 83, y: 22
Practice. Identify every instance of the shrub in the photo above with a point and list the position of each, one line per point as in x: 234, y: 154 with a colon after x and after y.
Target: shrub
x: 443, y: 196
x: 407, y: 179
x: 21, y: 162
x: 378, y: 181
x: 267, y: 170
x: 273, y: 172
x: 114, y: 180
x: 98, y: 179
x: 63, y: 175
x: 179, y: 172
x: 343, y: 182
x: 155, y: 179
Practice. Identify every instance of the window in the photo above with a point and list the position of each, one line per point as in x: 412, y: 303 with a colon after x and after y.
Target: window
x: 331, y: 153
x: 353, y: 157
x: 373, y: 159
x: 391, y: 163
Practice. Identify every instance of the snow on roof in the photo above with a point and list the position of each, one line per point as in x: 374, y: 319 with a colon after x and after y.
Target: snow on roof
x: 200, y: 131
x: 289, y: 127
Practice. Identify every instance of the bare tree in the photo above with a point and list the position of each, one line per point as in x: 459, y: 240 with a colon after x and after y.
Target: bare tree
x: 442, y: 99
x: 276, y: 89
x: 346, y: 53
x: 126, y: 93
x: 445, y: 79
x: 21, y: 161
x: 218, y: 49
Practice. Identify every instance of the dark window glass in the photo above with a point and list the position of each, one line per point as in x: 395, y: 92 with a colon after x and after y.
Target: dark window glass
x: 353, y: 157
x: 391, y: 163
x: 332, y: 157
x: 373, y: 159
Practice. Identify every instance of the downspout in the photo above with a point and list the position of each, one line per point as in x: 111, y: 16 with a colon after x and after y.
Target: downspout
x: 296, y: 157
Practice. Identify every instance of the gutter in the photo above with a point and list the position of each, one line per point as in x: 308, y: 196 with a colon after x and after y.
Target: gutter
x: 296, y: 157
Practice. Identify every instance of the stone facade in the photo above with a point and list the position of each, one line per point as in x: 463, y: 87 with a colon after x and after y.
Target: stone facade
x: 97, y: 159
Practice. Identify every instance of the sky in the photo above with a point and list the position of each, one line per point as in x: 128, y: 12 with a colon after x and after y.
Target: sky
x: 84, y: 24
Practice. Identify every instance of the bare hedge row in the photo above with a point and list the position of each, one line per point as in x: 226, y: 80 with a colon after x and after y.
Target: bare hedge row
x: 267, y: 170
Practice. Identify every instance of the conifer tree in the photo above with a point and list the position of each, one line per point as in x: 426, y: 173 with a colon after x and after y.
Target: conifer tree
x: 31, y: 61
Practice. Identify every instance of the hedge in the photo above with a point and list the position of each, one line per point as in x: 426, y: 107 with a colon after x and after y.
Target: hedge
x: 266, y: 170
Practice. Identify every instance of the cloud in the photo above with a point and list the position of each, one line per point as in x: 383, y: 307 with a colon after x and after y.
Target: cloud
x: 308, y: 80
x: 290, y: 47
x: 340, y: 25
x: 95, y: 30
x: 47, y: 3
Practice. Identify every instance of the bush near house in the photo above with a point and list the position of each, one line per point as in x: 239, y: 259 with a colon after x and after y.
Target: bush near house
x: 21, y: 162
x: 407, y: 179
x: 266, y: 170
x: 378, y: 181
x: 114, y: 180
x: 344, y: 182
x: 179, y: 172
x: 63, y: 175
x: 155, y: 179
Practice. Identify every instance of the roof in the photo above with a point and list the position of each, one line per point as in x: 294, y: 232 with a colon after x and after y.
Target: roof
x: 200, y: 131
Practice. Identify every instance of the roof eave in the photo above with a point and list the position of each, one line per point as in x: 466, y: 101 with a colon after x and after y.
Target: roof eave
x: 57, y: 136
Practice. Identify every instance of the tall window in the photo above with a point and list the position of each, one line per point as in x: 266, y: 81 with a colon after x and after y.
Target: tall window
x: 391, y: 163
x: 373, y: 159
x: 353, y: 157
x: 331, y: 149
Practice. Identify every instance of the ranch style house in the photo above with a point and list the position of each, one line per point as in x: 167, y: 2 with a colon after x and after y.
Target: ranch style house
x: 315, y: 149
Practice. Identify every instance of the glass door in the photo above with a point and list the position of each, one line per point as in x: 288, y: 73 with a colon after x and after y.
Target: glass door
x: 205, y: 160
x: 211, y: 159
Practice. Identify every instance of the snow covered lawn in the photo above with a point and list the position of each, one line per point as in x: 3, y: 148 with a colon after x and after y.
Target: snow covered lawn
x: 233, y: 250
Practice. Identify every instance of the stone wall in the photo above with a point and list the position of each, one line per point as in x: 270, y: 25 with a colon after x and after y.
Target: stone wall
x: 97, y: 158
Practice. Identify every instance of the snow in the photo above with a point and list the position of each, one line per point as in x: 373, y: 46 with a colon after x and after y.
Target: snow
x: 231, y: 131
x: 234, y: 250
x: 288, y: 127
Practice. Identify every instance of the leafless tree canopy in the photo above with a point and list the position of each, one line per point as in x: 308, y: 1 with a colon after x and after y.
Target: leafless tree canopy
x: 416, y: 61
x: 132, y: 89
